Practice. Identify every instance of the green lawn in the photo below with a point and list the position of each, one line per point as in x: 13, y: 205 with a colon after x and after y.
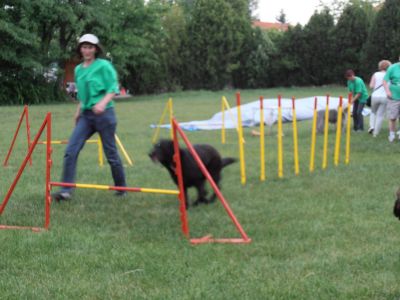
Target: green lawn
x: 322, y: 235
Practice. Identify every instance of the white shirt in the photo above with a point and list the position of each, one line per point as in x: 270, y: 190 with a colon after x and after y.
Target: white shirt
x: 379, y: 90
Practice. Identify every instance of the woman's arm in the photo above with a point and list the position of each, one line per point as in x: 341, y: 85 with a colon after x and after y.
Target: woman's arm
x: 77, y: 113
x: 372, y: 82
x: 387, y: 90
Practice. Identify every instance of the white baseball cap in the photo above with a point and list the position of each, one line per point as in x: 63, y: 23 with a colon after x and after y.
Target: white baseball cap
x: 89, y: 38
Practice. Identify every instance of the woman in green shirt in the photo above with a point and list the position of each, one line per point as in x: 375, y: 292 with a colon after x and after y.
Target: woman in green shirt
x: 357, y: 88
x: 96, y: 81
x: 391, y: 83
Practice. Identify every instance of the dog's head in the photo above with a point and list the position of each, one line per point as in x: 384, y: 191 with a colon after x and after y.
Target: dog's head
x: 162, y: 152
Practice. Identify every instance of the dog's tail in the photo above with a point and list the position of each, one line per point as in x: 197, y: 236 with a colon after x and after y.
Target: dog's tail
x: 227, y: 161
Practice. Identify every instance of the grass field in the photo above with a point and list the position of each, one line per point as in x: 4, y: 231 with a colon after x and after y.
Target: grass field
x: 322, y: 235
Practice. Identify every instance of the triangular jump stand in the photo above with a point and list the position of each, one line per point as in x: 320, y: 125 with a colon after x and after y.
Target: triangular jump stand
x: 46, y: 124
x: 25, y: 113
x: 185, y: 228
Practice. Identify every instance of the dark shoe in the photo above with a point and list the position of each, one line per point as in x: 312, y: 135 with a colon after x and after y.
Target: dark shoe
x: 120, y: 193
x: 371, y: 130
x: 61, y: 196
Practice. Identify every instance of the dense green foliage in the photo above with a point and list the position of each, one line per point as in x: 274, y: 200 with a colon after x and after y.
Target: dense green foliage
x: 167, y: 45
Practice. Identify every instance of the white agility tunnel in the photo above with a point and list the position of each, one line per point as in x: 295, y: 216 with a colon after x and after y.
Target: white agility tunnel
x: 250, y: 113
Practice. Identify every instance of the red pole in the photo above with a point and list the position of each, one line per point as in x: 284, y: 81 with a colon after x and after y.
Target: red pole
x: 28, y: 130
x: 14, y: 138
x: 23, y: 165
x: 48, y: 173
x: 178, y: 170
x: 210, y: 180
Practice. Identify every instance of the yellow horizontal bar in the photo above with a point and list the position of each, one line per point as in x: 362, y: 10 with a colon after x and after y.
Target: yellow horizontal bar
x: 92, y: 186
x: 159, y: 191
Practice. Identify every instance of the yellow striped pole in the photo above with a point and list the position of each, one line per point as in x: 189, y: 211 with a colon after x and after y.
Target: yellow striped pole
x: 326, y: 131
x: 100, y: 150
x: 128, y: 159
x: 115, y: 188
x: 240, y: 138
x: 157, y: 131
x: 63, y: 142
x: 159, y: 191
x: 262, y: 141
x: 348, y: 130
x: 338, y: 132
x: 313, y: 137
x: 280, y: 145
x: 295, y: 142
x: 228, y: 107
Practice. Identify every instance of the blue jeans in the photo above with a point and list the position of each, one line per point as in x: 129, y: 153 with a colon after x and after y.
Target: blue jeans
x: 358, y: 119
x: 89, y: 123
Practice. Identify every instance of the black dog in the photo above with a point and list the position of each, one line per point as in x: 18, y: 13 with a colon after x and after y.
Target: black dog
x: 163, y: 152
x: 396, y: 208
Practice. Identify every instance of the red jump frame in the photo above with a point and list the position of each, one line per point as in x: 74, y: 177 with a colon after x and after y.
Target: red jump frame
x: 25, y: 113
x: 206, y: 239
x: 46, y: 124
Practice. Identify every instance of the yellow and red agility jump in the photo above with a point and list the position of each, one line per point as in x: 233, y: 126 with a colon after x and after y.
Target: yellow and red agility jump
x: 180, y: 193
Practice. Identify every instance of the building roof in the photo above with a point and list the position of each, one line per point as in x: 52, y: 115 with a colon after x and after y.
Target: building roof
x: 270, y: 25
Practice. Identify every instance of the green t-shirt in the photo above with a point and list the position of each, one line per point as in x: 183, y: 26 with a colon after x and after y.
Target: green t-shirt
x: 393, y: 76
x: 94, y: 82
x: 357, y: 86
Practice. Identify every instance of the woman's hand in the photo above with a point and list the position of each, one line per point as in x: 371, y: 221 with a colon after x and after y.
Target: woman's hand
x: 99, y: 108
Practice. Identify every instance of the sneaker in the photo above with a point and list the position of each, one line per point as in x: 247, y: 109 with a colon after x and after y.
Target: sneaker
x: 61, y: 196
x: 391, y: 137
x: 370, y: 130
x: 120, y: 193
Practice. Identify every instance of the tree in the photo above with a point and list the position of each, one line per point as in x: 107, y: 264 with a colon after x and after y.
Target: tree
x: 351, y: 33
x: 215, y: 36
x: 318, y: 55
x: 384, y: 41
x: 255, y: 61
x: 287, y: 67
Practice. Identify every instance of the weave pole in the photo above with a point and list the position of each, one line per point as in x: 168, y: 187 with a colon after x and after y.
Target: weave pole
x: 295, y: 140
x: 326, y: 132
x: 313, y: 137
x: 240, y: 138
x: 223, y: 135
x: 208, y: 239
x: 262, y: 141
x: 280, y: 134
x: 338, y: 132
x: 348, y: 129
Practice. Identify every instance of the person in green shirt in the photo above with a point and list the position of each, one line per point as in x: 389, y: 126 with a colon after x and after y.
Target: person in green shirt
x: 391, y: 83
x: 357, y: 88
x: 96, y: 81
